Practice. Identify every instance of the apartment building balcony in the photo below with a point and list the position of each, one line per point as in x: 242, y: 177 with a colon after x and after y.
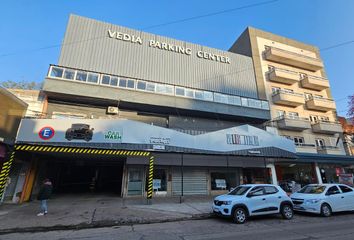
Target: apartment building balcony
x: 314, y: 82
x: 321, y: 104
x: 330, y: 150
x: 286, y: 98
x: 283, y: 76
x: 293, y: 123
x: 305, y: 148
x: 327, y: 127
x: 294, y: 59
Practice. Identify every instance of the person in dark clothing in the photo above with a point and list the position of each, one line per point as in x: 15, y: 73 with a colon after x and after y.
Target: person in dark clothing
x: 44, y: 194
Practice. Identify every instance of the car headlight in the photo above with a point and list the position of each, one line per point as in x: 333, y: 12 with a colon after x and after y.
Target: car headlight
x: 312, y: 201
x: 227, y: 202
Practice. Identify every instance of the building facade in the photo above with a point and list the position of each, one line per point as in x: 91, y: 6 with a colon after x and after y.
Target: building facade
x: 294, y: 81
x: 348, y: 135
x: 127, y: 111
x: 12, y: 111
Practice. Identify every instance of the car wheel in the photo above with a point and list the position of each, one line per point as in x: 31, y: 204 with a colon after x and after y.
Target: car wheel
x: 287, y: 211
x: 326, y: 210
x: 240, y: 215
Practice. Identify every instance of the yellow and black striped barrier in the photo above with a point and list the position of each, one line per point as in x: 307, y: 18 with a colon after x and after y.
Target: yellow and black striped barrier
x: 5, y: 170
x: 150, y: 177
x: 80, y: 150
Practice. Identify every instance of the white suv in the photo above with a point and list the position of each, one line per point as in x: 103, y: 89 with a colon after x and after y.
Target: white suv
x: 251, y: 200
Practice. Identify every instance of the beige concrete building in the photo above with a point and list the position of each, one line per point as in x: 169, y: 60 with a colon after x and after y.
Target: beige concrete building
x: 294, y: 81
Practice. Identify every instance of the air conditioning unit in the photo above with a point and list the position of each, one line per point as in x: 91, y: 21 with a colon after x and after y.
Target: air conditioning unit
x: 112, y: 110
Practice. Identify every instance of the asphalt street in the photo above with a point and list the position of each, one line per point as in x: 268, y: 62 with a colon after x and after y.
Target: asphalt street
x: 302, y: 227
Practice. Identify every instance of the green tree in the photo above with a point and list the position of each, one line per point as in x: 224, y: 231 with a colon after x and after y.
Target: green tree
x: 21, y: 85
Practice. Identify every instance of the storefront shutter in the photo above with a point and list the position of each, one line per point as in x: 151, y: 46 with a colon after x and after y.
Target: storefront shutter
x: 194, y: 182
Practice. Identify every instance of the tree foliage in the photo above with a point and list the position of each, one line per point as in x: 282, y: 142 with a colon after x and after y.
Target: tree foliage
x: 350, y: 113
x: 21, y: 85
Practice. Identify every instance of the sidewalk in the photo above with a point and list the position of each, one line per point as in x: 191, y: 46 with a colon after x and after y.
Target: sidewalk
x: 85, y: 211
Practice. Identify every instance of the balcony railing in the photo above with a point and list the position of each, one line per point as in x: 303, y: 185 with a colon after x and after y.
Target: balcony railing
x: 320, y: 104
x: 127, y: 83
x: 292, y: 58
x: 322, y: 126
x: 293, y: 123
x: 283, y: 76
x: 287, y: 98
x: 314, y: 82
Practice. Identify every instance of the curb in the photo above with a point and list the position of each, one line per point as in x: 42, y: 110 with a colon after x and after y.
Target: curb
x: 101, y: 224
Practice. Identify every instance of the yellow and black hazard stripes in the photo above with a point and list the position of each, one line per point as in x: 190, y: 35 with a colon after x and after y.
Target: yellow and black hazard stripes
x: 80, y: 150
x: 150, y: 177
x: 5, y: 170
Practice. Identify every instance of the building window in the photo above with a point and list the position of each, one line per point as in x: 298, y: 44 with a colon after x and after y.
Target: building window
x: 265, y: 105
x: 208, y: 96
x: 114, y: 81
x: 122, y: 82
x: 280, y: 113
x: 199, y: 95
x: 320, y: 143
x: 313, y: 119
x: 293, y: 115
x: 324, y: 119
x: 81, y: 76
x: 244, y: 102
x: 150, y: 87
x: 105, y: 80
x: 189, y: 93
x: 92, y: 78
x: 275, y: 90
x: 180, y: 91
x: 69, y: 74
x: 308, y: 96
x: 141, y: 85
x: 56, y: 72
x: 131, y: 84
x: 299, y: 141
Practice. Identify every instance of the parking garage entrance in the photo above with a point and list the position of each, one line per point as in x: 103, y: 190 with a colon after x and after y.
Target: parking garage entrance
x: 88, y: 174
x: 76, y: 170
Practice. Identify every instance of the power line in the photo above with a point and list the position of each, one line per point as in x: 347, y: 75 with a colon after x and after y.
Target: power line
x: 210, y: 14
x: 149, y: 27
x: 337, y: 45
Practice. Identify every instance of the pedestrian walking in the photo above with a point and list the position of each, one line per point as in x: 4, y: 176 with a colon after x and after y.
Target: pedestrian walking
x: 43, y: 195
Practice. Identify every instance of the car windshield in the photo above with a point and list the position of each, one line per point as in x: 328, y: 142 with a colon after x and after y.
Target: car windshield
x: 240, y: 190
x: 315, y: 189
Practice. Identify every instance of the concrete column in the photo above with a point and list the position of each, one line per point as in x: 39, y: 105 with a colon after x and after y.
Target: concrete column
x: 318, y: 173
x: 274, y: 173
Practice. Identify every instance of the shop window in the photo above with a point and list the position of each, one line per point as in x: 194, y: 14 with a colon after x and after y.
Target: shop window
x: 135, y: 182
x: 56, y: 72
x: 159, y: 180
x: 69, y: 74
x: 223, y: 180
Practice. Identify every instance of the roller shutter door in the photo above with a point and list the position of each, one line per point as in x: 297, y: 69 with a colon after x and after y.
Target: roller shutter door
x: 195, y: 182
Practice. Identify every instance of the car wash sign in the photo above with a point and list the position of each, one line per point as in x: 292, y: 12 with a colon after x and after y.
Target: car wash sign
x: 115, y: 136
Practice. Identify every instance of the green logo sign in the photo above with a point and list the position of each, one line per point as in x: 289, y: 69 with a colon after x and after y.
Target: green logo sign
x: 113, y: 135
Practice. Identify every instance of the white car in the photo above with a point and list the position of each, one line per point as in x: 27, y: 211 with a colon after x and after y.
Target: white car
x: 324, y: 199
x: 251, y: 200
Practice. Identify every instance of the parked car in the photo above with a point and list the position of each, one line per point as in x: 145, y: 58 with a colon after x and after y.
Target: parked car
x: 251, y: 200
x: 324, y: 199
x: 79, y: 131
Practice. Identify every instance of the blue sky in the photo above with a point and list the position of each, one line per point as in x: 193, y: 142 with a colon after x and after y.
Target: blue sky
x: 26, y: 26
